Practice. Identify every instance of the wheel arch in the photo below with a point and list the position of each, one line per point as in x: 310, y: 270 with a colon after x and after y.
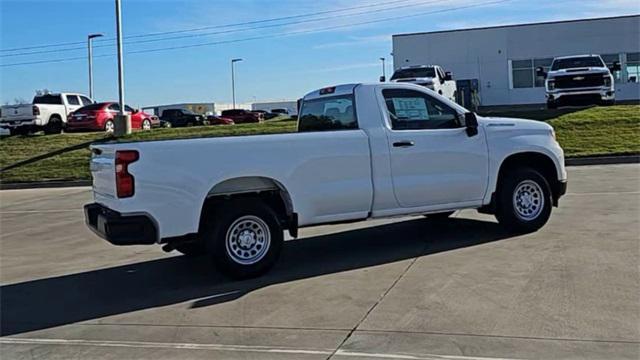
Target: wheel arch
x: 539, y: 161
x: 266, y: 189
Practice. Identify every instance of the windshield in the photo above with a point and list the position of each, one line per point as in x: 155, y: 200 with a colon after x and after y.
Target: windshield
x: 92, y: 107
x: 414, y: 73
x: 577, y: 62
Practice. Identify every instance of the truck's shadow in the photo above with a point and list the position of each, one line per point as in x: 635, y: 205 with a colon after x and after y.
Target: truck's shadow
x: 45, y: 303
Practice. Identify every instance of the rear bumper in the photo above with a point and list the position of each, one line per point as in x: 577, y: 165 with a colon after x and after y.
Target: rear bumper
x: 120, y: 229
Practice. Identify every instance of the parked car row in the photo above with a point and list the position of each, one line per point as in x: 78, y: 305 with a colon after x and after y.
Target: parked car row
x: 55, y: 112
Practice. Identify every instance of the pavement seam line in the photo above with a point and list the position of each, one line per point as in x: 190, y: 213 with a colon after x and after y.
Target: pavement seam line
x: 413, y: 261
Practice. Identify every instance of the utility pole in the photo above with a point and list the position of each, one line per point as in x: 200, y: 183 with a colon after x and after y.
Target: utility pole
x: 233, y: 81
x: 123, y: 121
x: 90, y: 55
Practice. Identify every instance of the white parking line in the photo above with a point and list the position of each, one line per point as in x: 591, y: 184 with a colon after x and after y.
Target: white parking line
x: 236, y: 348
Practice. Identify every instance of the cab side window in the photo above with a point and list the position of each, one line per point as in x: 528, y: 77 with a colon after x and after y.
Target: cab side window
x: 413, y: 110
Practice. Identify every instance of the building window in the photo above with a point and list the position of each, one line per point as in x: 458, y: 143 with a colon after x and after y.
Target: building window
x: 523, y: 72
x: 609, y: 59
x: 633, y: 67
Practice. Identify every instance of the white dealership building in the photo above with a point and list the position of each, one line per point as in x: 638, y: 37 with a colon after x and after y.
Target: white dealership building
x: 498, y: 63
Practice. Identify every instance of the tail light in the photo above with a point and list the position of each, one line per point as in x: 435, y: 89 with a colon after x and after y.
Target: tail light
x: 36, y: 110
x: 125, y: 182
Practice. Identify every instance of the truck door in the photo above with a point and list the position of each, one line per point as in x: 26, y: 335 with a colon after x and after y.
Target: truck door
x: 73, y: 103
x: 433, y: 160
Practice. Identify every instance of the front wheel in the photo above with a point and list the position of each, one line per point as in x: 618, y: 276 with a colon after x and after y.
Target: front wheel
x: 244, y: 238
x: 146, y: 124
x: 523, y: 201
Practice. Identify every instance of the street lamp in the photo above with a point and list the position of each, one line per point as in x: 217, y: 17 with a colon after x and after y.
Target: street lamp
x: 122, y: 124
x: 233, y: 81
x: 384, y: 73
x: 90, y: 55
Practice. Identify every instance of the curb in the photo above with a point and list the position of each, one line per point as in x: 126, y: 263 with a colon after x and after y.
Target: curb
x: 582, y: 161
x: 602, y: 160
x: 44, y: 184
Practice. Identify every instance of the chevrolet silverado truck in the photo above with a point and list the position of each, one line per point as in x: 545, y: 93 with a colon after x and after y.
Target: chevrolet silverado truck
x: 47, y: 112
x: 429, y: 76
x: 361, y: 151
x: 580, y: 79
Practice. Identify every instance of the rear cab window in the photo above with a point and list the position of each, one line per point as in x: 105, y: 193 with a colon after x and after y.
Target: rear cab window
x: 328, y: 114
x: 48, y: 99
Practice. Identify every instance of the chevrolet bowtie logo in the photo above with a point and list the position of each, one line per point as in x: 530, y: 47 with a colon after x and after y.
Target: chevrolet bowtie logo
x: 578, y: 78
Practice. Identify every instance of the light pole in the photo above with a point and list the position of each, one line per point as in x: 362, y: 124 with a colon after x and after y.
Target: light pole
x: 123, y: 121
x: 233, y: 81
x: 384, y: 72
x: 90, y: 55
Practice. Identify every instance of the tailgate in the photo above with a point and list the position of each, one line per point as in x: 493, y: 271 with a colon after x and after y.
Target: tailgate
x: 17, y: 112
x: 103, y: 171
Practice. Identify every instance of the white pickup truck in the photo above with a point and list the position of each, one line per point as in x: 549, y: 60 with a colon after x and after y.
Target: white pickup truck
x: 361, y: 151
x: 579, y: 79
x: 47, y: 112
x: 429, y: 76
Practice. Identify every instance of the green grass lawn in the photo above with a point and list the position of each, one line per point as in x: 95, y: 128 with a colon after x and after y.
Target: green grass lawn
x: 610, y: 130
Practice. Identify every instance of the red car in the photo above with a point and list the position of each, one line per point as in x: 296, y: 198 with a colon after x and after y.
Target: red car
x: 240, y: 116
x: 99, y: 116
x: 218, y: 120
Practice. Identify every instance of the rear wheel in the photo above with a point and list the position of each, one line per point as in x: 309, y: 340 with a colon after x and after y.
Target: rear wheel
x: 552, y: 105
x: 54, y: 126
x: 523, y: 201
x: 244, y: 238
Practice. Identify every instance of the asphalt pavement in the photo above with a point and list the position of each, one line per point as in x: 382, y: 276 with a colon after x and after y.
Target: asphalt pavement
x: 404, y: 288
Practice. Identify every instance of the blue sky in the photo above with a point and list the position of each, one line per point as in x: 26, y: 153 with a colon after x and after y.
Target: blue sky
x: 282, y: 67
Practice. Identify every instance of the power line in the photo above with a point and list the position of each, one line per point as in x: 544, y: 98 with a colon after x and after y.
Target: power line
x: 275, y: 35
x: 422, y: 3
x: 213, y: 26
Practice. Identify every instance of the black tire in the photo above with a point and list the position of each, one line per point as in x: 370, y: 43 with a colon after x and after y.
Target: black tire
x: 552, y: 105
x: 534, y: 208
x: 439, y: 216
x: 608, y: 102
x: 54, y: 126
x: 230, y: 218
x: 192, y: 249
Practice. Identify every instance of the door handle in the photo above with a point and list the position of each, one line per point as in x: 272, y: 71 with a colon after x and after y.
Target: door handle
x: 404, y: 143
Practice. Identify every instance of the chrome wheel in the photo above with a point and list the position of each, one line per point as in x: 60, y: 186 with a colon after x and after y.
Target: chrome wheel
x: 248, y: 240
x: 146, y: 125
x: 109, y: 126
x: 528, y: 200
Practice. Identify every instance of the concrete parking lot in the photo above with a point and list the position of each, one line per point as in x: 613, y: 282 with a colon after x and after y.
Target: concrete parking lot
x: 393, y: 289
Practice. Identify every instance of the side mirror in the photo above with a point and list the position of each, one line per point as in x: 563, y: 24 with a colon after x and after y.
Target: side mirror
x: 135, y: 111
x: 540, y: 72
x: 383, y: 79
x: 471, y: 123
x: 448, y: 76
x: 615, y: 66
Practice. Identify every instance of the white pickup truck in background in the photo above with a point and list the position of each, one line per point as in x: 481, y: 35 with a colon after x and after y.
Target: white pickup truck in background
x: 430, y: 76
x: 47, y: 112
x: 361, y: 151
x: 579, y: 79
